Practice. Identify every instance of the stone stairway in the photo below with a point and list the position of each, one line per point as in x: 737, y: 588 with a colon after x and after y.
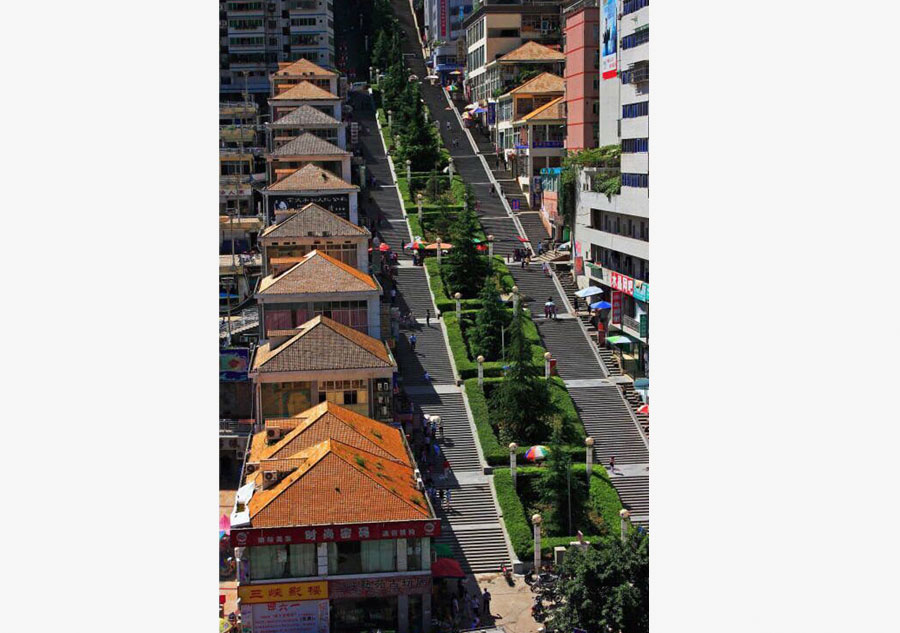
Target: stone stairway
x: 634, y: 492
x: 535, y: 288
x: 504, y: 232
x: 458, y: 444
x: 607, y: 419
x: 612, y: 366
x: 565, y: 341
x: 430, y: 355
x: 413, y: 293
x: 534, y: 228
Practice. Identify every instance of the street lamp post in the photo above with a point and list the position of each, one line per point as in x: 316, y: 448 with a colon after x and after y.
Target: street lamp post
x: 589, y: 457
x: 623, y: 522
x: 450, y: 167
x: 512, y: 462
x: 438, y: 238
x: 419, y: 204
x: 515, y: 293
x: 536, y: 521
x: 480, y: 360
x: 490, y: 239
x: 409, y: 172
x: 391, y: 120
x: 457, y: 296
x: 547, y: 357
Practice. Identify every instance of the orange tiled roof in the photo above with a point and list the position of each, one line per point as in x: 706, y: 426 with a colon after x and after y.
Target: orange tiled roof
x: 542, y: 84
x: 531, y: 51
x: 305, y: 90
x: 551, y: 111
x: 302, y: 67
x: 322, y: 344
x: 311, y: 177
x: 338, y: 483
x: 329, y: 421
x: 317, y: 272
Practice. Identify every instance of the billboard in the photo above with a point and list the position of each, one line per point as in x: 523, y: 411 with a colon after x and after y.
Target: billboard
x: 444, y: 31
x: 290, y: 617
x: 234, y: 362
x: 609, y: 39
x: 337, y: 203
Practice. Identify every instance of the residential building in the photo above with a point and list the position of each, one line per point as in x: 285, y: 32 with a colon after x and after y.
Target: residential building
x: 444, y: 20
x: 255, y: 37
x: 305, y: 93
x: 539, y: 138
x: 304, y: 150
x: 582, y: 51
x: 289, y: 75
x: 313, y: 228
x: 611, y: 237
x: 497, y: 27
x: 317, y: 285
x: 322, y: 360
x: 332, y: 529
x: 521, y: 64
x: 306, y: 119
x: 240, y: 157
x: 308, y: 184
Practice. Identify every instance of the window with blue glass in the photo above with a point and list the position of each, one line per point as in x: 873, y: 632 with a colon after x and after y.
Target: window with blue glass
x: 634, y: 145
x: 635, y: 180
x: 631, y: 6
x: 634, y: 110
x: 636, y: 39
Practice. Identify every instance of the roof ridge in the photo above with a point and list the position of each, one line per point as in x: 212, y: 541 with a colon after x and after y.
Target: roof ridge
x: 350, y: 334
x: 534, y: 79
x: 308, y: 109
x: 316, y: 454
x: 305, y: 138
x: 540, y: 109
x: 305, y: 85
x: 312, y: 207
x: 310, y: 256
x: 303, y: 62
x: 318, y: 171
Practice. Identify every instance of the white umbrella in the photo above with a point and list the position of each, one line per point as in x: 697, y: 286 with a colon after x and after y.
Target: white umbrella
x: 471, y: 106
x: 432, y: 77
x: 588, y: 292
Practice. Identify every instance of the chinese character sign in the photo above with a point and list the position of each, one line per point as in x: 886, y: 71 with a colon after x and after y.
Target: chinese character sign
x: 616, y: 307
x: 281, y: 592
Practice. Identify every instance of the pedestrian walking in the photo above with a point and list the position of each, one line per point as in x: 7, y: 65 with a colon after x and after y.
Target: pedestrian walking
x: 446, y: 469
x: 612, y: 463
x: 448, y: 126
x: 448, y: 498
x: 412, y: 343
x: 524, y: 261
x: 393, y: 296
x: 428, y: 317
x: 454, y: 604
x: 546, y: 268
x: 486, y: 603
x: 491, y: 190
x: 540, y: 248
x: 441, y: 428
x: 441, y: 500
x: 460, y: 588
x: 426, y: 377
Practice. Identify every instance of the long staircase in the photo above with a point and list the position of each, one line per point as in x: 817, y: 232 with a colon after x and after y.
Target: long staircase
x: 471, y: 527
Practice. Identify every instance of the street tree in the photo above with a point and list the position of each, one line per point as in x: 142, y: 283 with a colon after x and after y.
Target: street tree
x: 605, y: 588
x: 486, y: 335
x: 465, y: 268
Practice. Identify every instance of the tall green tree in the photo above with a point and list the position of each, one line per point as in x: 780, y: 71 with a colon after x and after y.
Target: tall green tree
x: 605, y: 587
x: 486, y: 336
x: 381, y: 52
x: 420, y: 145
x: 464, y: 268
x: 559, y: 489
x: 521, y: 403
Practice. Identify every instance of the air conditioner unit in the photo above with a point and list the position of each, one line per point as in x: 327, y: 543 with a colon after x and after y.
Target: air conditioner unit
x: 274, y: 433
x: 270, y: 478
x: 252, y: 468
x: 232, y: 443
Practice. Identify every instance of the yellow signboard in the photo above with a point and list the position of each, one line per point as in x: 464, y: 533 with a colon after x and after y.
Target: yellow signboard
x: 283, y: 592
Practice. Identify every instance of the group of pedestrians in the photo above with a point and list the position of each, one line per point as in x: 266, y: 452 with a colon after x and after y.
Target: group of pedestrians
x: 471, y: 609
x: 550, y: 309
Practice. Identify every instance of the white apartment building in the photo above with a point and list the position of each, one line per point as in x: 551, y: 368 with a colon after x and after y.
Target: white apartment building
x: 255, y: 36
x: 610, y: 245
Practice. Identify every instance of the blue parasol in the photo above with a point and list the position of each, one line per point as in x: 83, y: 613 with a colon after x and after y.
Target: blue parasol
x: 601, y: 305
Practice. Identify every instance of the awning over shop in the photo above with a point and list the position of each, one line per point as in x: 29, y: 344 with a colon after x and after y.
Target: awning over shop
x: 618, y: 340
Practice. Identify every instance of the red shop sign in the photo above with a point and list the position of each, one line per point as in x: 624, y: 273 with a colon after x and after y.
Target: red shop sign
x: 334, y: 533
x: 622, y: 283
x: 616, y: 307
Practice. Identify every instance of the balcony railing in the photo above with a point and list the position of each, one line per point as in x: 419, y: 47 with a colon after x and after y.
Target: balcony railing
x: 631, y: 323
x: 547, y: 144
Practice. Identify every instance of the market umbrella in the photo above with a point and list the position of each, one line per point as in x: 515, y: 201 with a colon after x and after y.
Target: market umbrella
x: 481, y: 247
x: 479, y: 110
x: 413, y: 77
x: 601, y: 305
x: 467, y: 115
x: 524, y: 240
x: 452, y: 88
x: 384, y: 247
x: 446, y: 568
x: 618, y: 340
x: 536, y: 453
x: 444, y: 246
x: 455, y: 72
x: 471, y: 106
x: 642, y: 383
x: 443, y: 550
x: 417, y: 243
x: 644, y: 408
x: 432, y: 77
x: 588, y: 292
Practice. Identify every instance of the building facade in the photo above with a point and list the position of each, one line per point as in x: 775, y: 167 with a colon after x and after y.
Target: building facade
x: 611, y: 237
x: 254, y: 37
x: 582, y: 48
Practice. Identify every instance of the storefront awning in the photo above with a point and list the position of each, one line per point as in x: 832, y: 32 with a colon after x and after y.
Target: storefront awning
x: 446, y: 568
x: 618, y: 340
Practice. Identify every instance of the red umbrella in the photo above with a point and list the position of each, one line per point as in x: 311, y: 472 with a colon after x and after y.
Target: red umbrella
x: 384, y: 247
x: 644, y: 408
x: 523, y: 239
x: 481, y: 247
x: 446, y: 568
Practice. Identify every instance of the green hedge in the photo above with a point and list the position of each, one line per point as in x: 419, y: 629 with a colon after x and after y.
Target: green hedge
x: 467, y: 367
x: 444, y: 302
x: 603, y: 499
x: 497, y: 454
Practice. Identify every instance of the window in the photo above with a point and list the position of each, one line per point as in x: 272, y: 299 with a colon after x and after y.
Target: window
x: 634, y: 145
x: 345, y: 558
x: 630, y: 6
x: 379, y: 556
x: 635, y: 180
x: 245, y: 25
x: 353, y: 394
x: 283, y: 561
x: 302, y: 560
x: 303, y: 21
x: 636, y: 39
x: 634, y: 110
x: 246, y: 41
x: 413, y: 554
x: 304, y: 39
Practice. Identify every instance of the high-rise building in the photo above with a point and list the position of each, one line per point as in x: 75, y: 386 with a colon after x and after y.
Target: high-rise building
x: 256, y: 36
x: 582, y: 48
x: 611, y: 238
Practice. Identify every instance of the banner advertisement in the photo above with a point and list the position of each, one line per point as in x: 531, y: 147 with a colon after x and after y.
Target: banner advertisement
x: 610, y: 39
x: 444, y: 30
x: 491, y: 113
x: 579, y: 265
x: 339, y: 204
x: 234, y: 363
x: 645, y: 325
x: 641, y: 291
x: 328, y: 533
x: 379, y: 587
x: 616, y: 308
x: 623, y: 283
x: 291, y: 617
x: 283, y: 592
